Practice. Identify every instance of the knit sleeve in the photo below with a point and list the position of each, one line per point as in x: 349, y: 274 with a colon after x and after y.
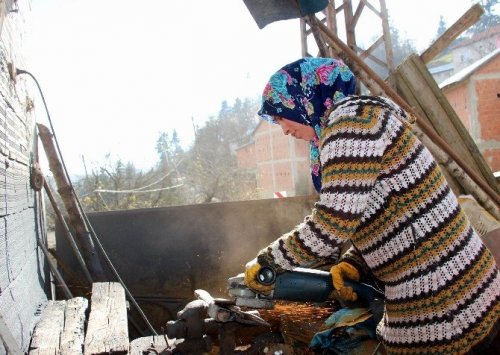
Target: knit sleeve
x: 351, y: 151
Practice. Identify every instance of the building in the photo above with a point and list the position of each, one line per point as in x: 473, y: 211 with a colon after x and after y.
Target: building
x: 474, y: 94
x: 280, y: 164
x: 464, y: 52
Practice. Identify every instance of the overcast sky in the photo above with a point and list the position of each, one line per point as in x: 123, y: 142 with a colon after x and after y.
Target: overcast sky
x: 116, y: 73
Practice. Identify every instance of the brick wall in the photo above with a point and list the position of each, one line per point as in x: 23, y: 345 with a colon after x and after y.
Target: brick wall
x: 23, y: 275
x: 246, y: 157
x: 459, y: 100
x: 476, y: 101
x: 282, y: 162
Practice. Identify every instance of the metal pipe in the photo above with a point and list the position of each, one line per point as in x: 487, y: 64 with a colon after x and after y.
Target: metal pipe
x: 54, y: 270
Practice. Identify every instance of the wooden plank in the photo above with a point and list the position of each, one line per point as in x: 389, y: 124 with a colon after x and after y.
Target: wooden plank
x: 457, y: 125
x: 74, y: 324
x: 427, y: 99
x: 462, y: 24
x: 404, y: 90
x: 47, y: 334
x: 141, y: 345
x: 107, y: 331
x: 8, y: 340
x: 64, y: 188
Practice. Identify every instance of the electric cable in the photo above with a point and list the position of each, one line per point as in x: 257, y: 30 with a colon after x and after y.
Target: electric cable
x: 139, y: 191
x: 89, y: 226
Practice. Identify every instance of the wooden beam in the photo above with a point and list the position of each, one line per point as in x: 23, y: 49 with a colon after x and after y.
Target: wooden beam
x: 82, y: 234
x: 379, y: 86
x: 107, y: 330
x: 357, y: 14
x: 317, y: 36
x: 67, y: 232
x: 331, y: 17
x: 47, y: 334
x: 455, y: 132
x: 387, y: 39
x: 462, y: 24
x: 60, y: 329
x: 371, y: 7
x: 73, y: 335
x: 349, y: 25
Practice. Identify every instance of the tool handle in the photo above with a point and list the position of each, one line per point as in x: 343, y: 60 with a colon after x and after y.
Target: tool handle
x: 310, y: 285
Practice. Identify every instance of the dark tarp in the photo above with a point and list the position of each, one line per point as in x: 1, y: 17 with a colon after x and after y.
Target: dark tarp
x: 265, y: 12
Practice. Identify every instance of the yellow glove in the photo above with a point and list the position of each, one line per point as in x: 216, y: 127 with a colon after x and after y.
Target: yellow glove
x: 341, y: 271
x: 251, y: 270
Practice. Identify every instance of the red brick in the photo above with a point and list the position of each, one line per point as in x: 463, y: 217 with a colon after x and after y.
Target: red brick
x: 459, y: 100
x: 488, y: 107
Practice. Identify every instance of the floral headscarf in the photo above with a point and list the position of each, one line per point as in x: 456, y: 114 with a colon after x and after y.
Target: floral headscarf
x: 303, y: 91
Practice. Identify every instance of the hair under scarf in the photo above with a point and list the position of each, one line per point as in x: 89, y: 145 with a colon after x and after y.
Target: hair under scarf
x: 303, y: 91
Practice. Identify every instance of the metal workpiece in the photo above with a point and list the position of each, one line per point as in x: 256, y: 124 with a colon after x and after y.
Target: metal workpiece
x: 207, y: 315
x: 245, y: 297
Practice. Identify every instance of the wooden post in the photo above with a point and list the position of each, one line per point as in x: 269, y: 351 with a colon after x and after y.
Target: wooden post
x: 82, y: 234
x: 67, y: 233
x: 463, y: 23
x: 61, y: 328
x: 380, y: 85
x: 107, y: 330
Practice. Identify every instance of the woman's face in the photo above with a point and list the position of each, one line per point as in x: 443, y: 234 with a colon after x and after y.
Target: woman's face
x: 297, y: 130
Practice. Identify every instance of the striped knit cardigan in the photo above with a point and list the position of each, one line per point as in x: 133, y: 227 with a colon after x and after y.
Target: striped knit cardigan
x: 383, y: 191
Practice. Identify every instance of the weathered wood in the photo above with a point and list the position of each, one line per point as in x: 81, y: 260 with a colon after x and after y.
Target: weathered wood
x: 442, y: 116
x: 317, y: 36
x: 349, y: 31
x: 462, y: 24
x: 67, y: 233
x: 465, y: 181
x: 47, y: 334
x: 83, y: 237
x: 379, y: 86
x: 60, y: 329
x: 405, y: 91
x: 8, y: 340
x: 107, y: 330
x: 140, y: 345
x: 74, y: 324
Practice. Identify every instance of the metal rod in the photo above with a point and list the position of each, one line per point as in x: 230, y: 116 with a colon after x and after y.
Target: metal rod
x: 67, y: 233
x: 54, y: 270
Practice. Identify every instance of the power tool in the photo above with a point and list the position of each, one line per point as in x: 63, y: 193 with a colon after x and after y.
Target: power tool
x: 300, y: 285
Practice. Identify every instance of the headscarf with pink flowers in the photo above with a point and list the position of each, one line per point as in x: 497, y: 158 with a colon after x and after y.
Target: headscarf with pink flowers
x: 303, y: 91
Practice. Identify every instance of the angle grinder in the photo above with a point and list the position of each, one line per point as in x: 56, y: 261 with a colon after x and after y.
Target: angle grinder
x: 300, y: 285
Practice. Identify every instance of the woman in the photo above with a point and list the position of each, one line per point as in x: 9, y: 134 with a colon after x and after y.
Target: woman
x: 380, y: 188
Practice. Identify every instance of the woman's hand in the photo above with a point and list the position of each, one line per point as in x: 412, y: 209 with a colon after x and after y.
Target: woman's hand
x: 340, y: 272
x: 252, y: 269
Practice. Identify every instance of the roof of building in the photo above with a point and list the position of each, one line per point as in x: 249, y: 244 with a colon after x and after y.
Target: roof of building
x: 467, y: 71
x: 441, y: 68
x: 476, y: 37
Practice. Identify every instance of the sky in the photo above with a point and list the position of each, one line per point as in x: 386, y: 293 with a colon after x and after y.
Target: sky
x: 117, y: 73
